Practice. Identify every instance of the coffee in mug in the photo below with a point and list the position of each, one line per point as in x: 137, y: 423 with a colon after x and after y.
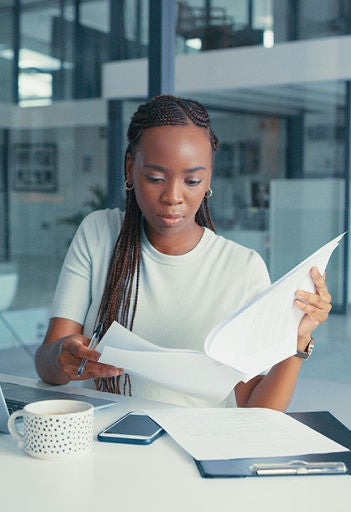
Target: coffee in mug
x: 55, y: 428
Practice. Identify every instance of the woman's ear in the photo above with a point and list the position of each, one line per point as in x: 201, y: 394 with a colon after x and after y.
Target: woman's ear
x: 129, y: 168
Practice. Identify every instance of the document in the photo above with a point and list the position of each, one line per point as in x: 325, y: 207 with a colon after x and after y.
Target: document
x: 235, y: 433
x: 186, y: 371
x: 254, y: 338
x: 264, y: 331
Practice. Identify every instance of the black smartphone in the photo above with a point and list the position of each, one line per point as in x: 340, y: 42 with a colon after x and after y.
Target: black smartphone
x: 133, y: 428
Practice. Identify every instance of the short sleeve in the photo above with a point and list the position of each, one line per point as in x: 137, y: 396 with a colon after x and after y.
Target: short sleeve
x: 73, y: 295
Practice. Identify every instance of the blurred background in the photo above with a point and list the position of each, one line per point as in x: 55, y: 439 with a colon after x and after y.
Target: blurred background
x: 275, y: 76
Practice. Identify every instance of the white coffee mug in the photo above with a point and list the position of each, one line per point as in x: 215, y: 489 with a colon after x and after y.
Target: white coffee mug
x: 55, y: 428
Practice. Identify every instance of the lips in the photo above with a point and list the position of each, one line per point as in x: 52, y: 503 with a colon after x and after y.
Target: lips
x: 171, y: 215
x: 171, y: 219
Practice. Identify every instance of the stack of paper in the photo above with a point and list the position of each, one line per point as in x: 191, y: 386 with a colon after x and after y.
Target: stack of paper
x: 252, y: 339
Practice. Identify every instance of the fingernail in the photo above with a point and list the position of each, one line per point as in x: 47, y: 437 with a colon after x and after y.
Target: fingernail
x: 114, y: 372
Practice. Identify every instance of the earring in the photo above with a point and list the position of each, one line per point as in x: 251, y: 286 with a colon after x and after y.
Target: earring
x: 209, y: 193
x: 128, y: 186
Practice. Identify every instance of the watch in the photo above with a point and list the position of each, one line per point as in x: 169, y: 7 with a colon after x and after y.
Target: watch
x: 309, y: 349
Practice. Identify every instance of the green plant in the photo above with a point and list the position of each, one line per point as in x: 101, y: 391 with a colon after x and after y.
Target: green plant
x: 97, y: 201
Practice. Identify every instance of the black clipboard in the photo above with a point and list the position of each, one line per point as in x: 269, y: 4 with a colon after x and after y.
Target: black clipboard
x: 299, y: 465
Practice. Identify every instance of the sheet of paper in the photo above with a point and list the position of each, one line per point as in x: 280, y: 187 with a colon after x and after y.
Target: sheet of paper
x: 185, y: 371
x: 229, y: 433
x: 263, y: 332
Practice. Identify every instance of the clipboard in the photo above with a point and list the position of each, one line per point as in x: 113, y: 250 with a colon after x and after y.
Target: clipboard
x: 338, y: 463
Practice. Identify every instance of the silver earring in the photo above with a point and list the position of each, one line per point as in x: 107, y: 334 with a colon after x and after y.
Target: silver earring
x: 209, y: 193
x: 128, y: 186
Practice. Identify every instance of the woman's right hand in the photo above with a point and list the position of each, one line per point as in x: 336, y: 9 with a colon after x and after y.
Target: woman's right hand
x: 74, y: 348
x: 59, y: 357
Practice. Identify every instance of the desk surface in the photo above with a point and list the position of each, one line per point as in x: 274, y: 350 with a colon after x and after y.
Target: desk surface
x: 160, y: 478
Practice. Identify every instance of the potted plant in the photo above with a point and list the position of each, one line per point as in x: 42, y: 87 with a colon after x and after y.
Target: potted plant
x: 97, y: 201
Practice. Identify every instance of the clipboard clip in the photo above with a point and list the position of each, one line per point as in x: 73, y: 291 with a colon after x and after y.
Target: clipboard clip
x: 299, y: 467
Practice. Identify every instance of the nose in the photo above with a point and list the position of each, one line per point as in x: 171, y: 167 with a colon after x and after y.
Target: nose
x: 172, y: 193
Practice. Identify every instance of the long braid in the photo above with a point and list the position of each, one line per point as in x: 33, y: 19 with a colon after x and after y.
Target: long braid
x: 119, y: 300
x: 203, y: 216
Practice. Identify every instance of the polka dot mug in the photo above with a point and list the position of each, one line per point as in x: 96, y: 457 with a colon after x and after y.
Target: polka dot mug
x: 55, y: 428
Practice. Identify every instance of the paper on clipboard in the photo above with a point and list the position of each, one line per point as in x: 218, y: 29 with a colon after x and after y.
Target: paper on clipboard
x: 240, y: 433
x: 252, y: 339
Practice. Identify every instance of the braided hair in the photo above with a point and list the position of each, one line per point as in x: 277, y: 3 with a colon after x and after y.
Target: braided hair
x: 119, y: 299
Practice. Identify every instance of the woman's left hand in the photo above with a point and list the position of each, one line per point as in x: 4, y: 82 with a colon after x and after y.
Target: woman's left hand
x: 316, y: 307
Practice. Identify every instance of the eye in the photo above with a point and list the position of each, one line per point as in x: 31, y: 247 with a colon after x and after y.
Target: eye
x: 155, y: 179
x: 192, y: 182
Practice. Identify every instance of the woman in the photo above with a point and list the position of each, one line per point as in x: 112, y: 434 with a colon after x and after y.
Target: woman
x: 160, y: 269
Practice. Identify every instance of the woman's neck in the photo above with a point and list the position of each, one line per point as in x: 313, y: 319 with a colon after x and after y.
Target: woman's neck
x: 175, y: 245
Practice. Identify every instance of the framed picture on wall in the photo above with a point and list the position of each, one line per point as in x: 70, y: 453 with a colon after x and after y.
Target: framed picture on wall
x: 35, y: 167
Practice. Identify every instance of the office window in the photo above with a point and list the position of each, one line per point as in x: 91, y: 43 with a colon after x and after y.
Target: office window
x: 252, y: 153
x: 46, y: 53
x: 63, y: 46
x: 57, y: 175
x: 219, y: 24
x: 279, y: 181
x: 309, y: 20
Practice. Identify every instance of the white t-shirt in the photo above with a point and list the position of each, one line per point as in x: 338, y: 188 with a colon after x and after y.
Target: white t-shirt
x: 181, y: 298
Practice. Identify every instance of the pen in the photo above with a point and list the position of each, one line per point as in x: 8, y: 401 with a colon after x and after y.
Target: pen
x: 92, y: 344
x: 299, y: 468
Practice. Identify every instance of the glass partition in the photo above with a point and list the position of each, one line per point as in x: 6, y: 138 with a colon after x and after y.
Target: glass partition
x: 279, y: 180
x: 329, y: 19
x: 57, y: 175
x: 252, y: 153
x: 203, y: 25
x: 310, y: 20
x: 63, y: 46
x: 40, y: 62
x: 7, y: 39
x: 219, y: 24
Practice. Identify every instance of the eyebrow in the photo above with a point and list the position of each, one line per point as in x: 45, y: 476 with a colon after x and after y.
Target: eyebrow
x: 164, y: 169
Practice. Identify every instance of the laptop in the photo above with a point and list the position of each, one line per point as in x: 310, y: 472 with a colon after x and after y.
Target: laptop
x: 15, y: 396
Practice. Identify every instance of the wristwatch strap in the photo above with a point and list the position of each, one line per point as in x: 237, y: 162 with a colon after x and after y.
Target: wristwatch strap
x: 309, y: 349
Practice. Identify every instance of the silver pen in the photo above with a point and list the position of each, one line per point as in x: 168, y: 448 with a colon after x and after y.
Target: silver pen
x: 300, y: 467
x: 92, y: 344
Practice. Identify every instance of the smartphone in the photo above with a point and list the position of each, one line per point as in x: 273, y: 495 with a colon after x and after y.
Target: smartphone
x: 133, y: 428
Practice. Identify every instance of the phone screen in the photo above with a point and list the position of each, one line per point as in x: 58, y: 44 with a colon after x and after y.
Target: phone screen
x: 134, y: 424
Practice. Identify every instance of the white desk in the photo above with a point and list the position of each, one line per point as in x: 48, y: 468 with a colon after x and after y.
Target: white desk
x: 156, y: 478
